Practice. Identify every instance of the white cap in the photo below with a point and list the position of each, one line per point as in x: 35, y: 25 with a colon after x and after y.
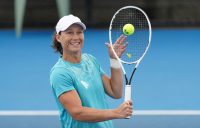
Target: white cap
x: 67, y: 21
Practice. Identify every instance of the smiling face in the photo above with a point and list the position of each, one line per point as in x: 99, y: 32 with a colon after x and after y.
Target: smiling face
x: 72, y: 40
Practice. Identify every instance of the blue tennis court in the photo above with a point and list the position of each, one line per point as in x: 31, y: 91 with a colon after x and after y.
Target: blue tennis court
x: 166, y: 81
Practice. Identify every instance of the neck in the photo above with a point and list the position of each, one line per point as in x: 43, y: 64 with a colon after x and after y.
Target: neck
x: 73, y: 58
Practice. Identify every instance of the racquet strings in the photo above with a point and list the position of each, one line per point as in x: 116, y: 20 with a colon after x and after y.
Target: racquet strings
x: 138, y: 41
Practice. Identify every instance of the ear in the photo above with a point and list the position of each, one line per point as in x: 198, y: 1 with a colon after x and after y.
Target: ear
x: 57, y: 37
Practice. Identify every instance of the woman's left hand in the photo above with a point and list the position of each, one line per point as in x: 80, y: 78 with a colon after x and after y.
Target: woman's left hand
x: 119, y: 46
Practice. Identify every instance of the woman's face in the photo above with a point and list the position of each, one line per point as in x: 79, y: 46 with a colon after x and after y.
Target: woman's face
x: 72, y: 39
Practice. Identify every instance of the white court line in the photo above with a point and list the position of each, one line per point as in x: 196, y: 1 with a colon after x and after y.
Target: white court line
x: 28, y: 113
x: 166, y: 112
x: 136, y: 112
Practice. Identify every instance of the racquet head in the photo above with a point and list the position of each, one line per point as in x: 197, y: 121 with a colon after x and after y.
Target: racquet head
x: 139, y: 41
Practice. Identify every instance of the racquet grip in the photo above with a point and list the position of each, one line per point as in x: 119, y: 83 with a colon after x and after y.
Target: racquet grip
x: 127, y: 95
x: 127, y: 92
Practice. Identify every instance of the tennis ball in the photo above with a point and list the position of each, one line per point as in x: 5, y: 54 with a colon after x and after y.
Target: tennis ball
x: 129, y: 55
x: 128, y: 29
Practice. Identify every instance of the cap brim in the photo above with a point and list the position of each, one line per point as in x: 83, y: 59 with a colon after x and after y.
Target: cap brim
x: 66, y: 27
x: 81, y: 24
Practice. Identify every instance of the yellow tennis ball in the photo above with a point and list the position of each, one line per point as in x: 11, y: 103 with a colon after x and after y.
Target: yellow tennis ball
x: 128, y: 29
x: 128, y: 55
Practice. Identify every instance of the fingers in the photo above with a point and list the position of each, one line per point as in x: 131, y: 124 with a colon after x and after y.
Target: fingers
x: 108, y: 45
x: 121, y: 39
x: 130, y: 102
x: 123, y: 47
x: 119, y: 46
x: 127, y: 109
x: 120, y: 49
x: 120, y: 42
x: 111, y: 54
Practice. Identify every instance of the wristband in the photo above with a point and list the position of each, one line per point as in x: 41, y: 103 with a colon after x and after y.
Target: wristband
x: 114, y: 63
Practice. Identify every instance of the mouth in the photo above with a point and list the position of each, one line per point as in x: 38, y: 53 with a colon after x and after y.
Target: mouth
x: 75, y: 43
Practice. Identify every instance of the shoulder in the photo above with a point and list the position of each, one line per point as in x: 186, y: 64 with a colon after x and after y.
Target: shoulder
x: 59, y: 69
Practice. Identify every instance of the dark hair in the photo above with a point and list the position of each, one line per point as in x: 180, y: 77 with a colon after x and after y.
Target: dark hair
x: 56, y: 45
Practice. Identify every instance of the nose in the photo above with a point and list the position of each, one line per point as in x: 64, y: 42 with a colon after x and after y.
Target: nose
x: 75, y: 35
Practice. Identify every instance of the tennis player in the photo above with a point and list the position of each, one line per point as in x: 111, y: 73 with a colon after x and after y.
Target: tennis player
x: 79, y: 83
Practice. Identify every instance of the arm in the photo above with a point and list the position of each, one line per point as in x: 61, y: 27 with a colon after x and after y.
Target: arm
x: 72, y: 103
x: 113, y: 84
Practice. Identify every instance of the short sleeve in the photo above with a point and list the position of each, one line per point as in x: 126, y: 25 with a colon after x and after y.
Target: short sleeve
x: 102, y: 72
x: 61, y: 81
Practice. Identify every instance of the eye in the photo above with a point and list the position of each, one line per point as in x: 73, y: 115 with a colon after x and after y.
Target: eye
x: 69, y: 32
x: 80, y: 32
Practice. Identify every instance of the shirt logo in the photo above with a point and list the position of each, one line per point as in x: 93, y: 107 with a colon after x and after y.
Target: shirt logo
x: 85, y: 84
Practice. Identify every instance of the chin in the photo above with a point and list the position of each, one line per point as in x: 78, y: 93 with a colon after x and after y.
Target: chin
x: 76, y: 51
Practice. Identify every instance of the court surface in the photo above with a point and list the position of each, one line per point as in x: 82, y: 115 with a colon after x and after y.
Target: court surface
x: 166, y: 80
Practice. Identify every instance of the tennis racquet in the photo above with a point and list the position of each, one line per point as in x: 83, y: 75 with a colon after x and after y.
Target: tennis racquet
x: 138, y: 42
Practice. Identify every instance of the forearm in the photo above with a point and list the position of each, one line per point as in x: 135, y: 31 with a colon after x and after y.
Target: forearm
x: 73, y: 105
x: 94, y: 115
x: 116, y: 82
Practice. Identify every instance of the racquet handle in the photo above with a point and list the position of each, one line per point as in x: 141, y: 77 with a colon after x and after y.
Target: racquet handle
x: 127, y: 95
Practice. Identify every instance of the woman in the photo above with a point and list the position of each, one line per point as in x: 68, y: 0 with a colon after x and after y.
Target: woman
x: 78, y: 82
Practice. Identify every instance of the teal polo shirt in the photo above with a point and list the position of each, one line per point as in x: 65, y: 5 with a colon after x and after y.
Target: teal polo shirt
x: 86, y: 78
